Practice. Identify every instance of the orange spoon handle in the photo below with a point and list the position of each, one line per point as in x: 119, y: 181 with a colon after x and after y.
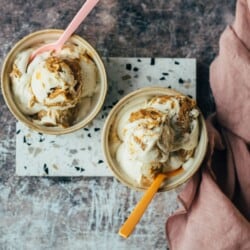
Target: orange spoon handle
x: 129, y: 225
x: 141, y: 206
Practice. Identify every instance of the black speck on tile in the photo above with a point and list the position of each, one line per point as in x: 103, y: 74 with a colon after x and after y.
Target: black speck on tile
x: 177, y: 63
x: 96, y: 129
x: 45, y: 168
x: 41, y: 139
x: 86, y: 129
x: 103, y: 116
x: 52, y: 141
x: 162, y: 78
x: 89, y: 135
x: 24, y: 139
x: 25, y: 167
x: 18, y: 131
x: 190, y: 96
x: 128, y: 66
x: 40, y: 133
x: 165, y: 73
x: 138, y: 60
x: 100, y: 161
x: 28, y: 143
x: 181, y: 81
x: 152, y: 61
x: 89, y: 148
x: 135, y: 69
x: 79, y: 169
x: 169, y: 87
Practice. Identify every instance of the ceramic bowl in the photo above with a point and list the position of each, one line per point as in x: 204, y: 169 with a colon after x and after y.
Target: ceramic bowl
x: 111, y: 141
x: 45, y: 36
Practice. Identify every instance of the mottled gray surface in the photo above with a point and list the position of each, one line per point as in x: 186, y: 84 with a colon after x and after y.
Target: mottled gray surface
x: 41, y: 213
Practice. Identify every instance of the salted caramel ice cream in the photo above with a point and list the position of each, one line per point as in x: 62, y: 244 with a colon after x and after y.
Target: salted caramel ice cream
x: 55, y: 88
x: 159, y: 136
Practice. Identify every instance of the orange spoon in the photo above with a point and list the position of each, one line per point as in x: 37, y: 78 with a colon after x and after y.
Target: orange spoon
x: 142, y: 205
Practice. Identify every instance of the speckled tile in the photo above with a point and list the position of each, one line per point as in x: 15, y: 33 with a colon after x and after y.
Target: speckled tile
x: 80, y: 153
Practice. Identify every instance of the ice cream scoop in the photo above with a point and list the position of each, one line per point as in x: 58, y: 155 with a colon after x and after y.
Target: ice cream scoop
x: 53, y: 83
x: 52, y: 87
x: 160, y: 136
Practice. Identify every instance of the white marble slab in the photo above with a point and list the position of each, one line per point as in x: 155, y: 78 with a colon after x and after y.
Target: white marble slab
x: 80, y: 153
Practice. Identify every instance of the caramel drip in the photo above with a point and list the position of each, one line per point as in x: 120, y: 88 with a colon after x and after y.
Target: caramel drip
x: 140, y: 142
x: 55, y: 64
x: 15, y: 72
x: 144, y: 114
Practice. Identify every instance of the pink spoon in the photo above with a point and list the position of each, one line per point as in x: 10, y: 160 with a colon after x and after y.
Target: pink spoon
x: 79, y: 17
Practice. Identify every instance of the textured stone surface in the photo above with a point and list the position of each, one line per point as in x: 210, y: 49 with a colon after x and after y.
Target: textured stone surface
x: 64, y: 213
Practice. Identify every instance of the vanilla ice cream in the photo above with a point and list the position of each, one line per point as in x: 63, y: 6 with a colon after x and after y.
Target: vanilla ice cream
x: 158, y: 136
x: 54, y: 87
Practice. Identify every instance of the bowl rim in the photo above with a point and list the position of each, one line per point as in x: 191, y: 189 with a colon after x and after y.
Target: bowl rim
x: 108, y: 126
x: 50, y: 130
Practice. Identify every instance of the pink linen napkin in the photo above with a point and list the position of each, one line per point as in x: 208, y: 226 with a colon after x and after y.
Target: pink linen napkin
x: 216, y: 201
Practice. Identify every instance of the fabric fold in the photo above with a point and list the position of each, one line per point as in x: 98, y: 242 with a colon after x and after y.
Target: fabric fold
x: 211, y: 223
x: 216, y: 201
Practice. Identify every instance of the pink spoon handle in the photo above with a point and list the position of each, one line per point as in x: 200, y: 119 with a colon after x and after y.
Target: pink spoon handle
x: 77, y: 20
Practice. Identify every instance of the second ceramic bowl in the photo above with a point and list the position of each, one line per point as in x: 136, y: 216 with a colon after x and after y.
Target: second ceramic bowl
x: 111, y: 141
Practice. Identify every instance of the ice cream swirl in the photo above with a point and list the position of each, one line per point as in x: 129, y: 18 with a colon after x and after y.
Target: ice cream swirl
x: 51, y: 88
